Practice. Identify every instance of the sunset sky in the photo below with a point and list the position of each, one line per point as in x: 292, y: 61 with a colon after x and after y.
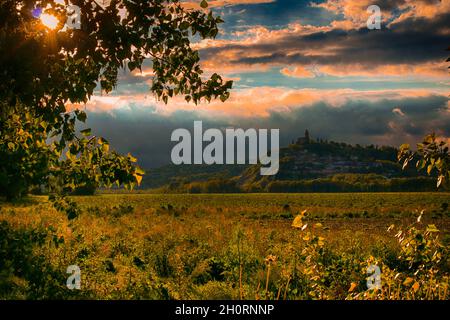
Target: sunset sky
x: 300, y: 64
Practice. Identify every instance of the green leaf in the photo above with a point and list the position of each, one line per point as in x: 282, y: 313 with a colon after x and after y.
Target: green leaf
x: 81, y: 116
x: 72, y: 215
x: 86, y: 132
x: 432, y: 228
x: 224, y: 97
x: 421, y: 164
x: 140, y: 171
x: 184, y: 25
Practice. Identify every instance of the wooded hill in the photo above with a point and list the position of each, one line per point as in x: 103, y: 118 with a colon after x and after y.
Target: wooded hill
x: 305, y: 166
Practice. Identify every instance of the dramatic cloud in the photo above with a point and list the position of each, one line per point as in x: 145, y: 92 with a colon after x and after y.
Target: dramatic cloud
x: 392, y: 120
x: 299, y: 72
x: 252, y: 101
x: 392, y: 10
x: 222, y: 3
x: 413, y: 43
x: 301, y: 64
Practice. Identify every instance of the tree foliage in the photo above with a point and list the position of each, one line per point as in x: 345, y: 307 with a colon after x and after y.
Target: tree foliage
x: 432, y: 154
x: 43, y: 70
x: 24, y: 153
x: 47, y: 68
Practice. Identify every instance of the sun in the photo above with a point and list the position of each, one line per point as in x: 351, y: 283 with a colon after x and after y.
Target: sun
x: 49, y: 21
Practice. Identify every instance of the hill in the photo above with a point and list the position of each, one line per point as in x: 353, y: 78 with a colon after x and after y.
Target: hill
x: 305, y: 166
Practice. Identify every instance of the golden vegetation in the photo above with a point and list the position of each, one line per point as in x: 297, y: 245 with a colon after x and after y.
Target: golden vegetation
x: 296, y: 246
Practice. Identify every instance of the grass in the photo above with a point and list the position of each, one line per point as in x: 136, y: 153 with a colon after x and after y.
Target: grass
x: 227, y: 246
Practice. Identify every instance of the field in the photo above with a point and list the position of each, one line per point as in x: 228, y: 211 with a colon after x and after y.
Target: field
x: 228, y: 246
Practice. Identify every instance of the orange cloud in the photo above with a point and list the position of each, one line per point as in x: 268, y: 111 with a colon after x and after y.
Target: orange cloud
x: 297, y: 72
x: 256, y: 43
x: 432, y: 70
x: 355, y: 12
x: 252, y: 102
x: 245, y: 43
x: 260, y: 35
x: 423, y: 8
x: 356, y: 15
x: 221, y: 3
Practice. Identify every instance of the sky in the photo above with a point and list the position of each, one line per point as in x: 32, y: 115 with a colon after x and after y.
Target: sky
x: 300, y: 65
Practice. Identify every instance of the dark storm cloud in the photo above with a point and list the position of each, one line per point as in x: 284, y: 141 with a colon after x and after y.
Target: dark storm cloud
x: 411, y: 41
x: 274, y: 14
x: 367, y: 122
x: 146, y: 134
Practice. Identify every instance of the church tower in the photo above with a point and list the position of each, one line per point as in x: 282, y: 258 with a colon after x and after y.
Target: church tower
x: 305, y: 140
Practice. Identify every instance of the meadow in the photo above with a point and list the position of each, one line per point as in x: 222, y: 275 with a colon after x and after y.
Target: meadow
x: 228, y: 246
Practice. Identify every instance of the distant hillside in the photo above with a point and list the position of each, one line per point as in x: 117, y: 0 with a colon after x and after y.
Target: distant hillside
x: 305, y: 166
x: 175, y: 175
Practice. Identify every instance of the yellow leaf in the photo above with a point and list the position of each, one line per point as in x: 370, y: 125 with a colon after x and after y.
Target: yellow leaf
x: 352, y: 287
x: 318, y: 225
x: 297, y: 223
x: 105, y: 148
x: 132, y: 159
x: 69, y: 155
x: 138, y: 179
x: 415, y: 286
x: 408, y: 281
x: 321, y: 241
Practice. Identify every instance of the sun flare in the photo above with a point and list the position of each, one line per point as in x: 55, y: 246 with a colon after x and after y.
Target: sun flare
x: 49, y: 21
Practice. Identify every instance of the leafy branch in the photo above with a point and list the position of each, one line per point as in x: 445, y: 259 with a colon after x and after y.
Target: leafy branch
x: 432, y: 154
